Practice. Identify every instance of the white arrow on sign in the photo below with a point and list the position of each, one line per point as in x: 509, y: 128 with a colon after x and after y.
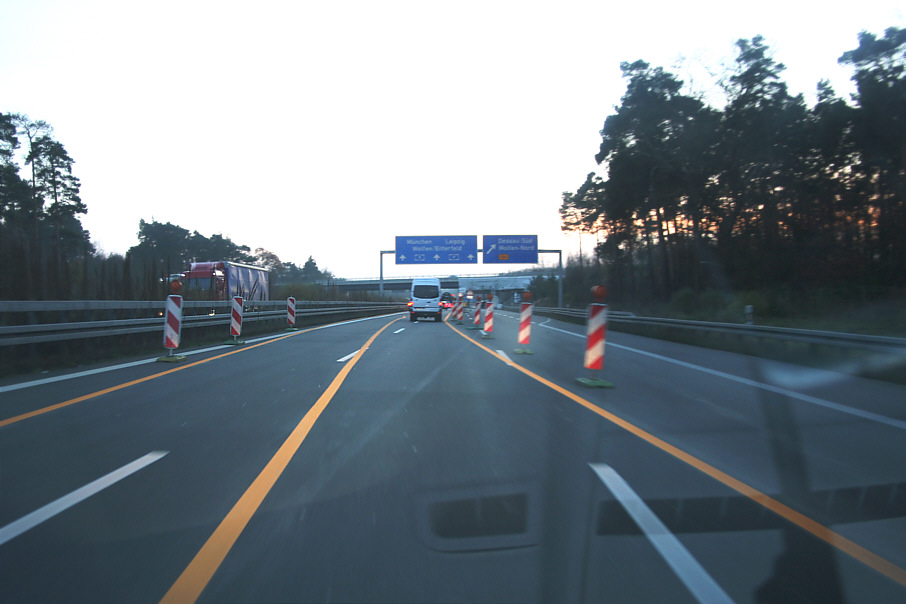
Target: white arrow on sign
x: 436, y: 257
x: 402, y: 257
x: 491, y: 249
x: 471, y: 257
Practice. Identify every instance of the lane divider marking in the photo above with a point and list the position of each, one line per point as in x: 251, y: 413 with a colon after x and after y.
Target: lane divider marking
x: 875, y: 417
x: 85, y: 397
x: 70, y: 376
x: 687, y: 568
x: 347, y: 357
x: 847, y: 546
x: 46, y: 512
x: 201, y: 569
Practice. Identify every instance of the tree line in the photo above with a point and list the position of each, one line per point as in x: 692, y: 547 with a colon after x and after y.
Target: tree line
x: 763, y: 193
x: 45, y: 253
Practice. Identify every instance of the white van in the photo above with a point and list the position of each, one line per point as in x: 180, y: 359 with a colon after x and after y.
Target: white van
x: 424, y: 299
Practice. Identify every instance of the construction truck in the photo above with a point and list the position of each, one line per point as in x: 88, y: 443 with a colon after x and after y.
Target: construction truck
x: 223, y: 280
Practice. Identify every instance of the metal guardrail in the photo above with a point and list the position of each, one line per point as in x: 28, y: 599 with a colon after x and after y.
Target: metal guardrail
x: 868, y: 343
x: 201, y: 313
x: 195, y: 314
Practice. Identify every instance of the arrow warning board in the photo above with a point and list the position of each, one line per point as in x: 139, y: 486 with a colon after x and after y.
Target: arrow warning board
x: 437, y: 250
x: 510, y: 249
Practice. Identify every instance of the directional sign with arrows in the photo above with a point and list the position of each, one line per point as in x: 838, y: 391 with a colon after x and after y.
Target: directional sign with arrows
x: 437, y: 250
x: 510, y: 249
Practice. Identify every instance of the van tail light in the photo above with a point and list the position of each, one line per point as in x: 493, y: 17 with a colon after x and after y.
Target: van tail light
x: 409, y: 303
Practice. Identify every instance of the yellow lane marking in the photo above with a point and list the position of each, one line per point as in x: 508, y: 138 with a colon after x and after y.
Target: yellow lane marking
x: 79, y: 399
x: 197, y: 575
x: 882, y: 565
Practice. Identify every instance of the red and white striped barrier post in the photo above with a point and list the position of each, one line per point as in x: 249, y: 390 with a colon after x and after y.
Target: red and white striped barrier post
x: 488, y: 319
x: 236, y: 320
x: 291, y: 313
x: 172, y: 328
x: 596, y: 332
x: 479, y: 308
x: 459, y: 309
x: 525, y: 326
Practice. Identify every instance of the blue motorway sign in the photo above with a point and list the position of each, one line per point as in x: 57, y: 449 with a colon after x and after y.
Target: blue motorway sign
x: 510, y: 249
x: 437, y: 250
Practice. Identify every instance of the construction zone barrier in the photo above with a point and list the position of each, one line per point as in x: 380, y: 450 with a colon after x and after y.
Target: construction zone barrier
x: 291, y: 313
x: 479, y: 308
x: 525, y: 328
x: 596, y: 332
x: 488, y: 330
x: 172, y: 328
x: 236, y: 321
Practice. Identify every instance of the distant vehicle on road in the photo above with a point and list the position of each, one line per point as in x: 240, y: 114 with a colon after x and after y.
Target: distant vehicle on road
x: 446, y: 300
x: 425, y: 299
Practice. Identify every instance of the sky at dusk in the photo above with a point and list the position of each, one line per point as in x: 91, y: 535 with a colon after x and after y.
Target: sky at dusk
x: 327, y: 129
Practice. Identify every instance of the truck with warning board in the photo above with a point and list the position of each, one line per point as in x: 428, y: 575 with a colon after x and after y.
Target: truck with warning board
x: 223, y: 280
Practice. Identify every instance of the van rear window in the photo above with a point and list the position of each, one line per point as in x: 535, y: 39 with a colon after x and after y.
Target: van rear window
x: 426, y: 291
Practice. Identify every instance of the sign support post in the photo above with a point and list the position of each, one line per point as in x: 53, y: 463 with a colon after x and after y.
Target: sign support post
x: 382, y: 270
x: 560, y: 274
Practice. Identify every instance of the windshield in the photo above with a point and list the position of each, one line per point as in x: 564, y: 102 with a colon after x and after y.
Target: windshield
x: 425, y: 291
x: 556, y: 302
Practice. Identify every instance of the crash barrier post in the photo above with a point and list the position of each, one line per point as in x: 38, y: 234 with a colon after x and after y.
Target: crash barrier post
x: 236, y: 321
x: 525, y: 328
x: 172, y: 328
x: 291, y: 314
x: 596, y: 332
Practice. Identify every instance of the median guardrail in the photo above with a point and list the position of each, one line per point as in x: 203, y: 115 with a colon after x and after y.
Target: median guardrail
x: 847, y: 340
x: 874, y: 356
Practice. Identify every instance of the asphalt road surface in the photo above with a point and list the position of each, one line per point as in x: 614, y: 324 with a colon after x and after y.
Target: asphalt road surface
x: 387, y: 461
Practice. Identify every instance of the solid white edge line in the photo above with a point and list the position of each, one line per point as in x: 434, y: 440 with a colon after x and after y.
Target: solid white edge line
x: 875, y: 417
x: 29, y: 521
x: 69, y: 376
x: 696, y: 579
x: 400, y: 330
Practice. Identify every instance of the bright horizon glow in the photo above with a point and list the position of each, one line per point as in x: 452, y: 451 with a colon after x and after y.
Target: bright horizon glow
x: 328, y: 129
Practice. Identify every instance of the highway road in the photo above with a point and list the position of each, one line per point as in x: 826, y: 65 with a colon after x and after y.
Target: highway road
x: 382, y: 460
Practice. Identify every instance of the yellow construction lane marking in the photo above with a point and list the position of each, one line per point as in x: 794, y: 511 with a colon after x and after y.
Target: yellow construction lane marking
x: 195, y: 577
x: 79, y: 399
x: 882, y: 565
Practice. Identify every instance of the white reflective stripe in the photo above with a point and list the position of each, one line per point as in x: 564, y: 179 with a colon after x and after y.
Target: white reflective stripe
x: 696, y: 579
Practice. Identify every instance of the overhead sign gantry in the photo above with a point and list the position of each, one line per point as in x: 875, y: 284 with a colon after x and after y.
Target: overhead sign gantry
x: 437, y: 250
x: 463, y: 249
